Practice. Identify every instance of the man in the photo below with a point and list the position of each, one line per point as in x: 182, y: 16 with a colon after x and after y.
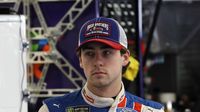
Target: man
x: 102, y: 52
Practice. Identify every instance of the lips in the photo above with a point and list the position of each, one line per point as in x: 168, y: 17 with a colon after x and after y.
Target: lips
x: 98, y: 73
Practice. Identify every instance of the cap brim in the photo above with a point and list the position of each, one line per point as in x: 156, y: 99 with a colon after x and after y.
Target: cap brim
x: 107, y: 42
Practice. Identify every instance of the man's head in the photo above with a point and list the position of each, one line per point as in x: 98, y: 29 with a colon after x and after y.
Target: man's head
x: 101, y: 41
x: 104, y: 30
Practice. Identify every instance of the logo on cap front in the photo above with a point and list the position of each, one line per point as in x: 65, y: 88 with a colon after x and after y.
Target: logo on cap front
x: 97, y: 29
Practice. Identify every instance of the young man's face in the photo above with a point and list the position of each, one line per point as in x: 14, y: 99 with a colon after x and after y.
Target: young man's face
x: 102, y: 64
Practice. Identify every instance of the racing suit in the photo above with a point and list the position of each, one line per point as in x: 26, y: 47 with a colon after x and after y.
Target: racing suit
x: 85, y: 101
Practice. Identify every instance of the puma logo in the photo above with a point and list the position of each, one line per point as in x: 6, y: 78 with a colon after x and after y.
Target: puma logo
x: 56, y: 105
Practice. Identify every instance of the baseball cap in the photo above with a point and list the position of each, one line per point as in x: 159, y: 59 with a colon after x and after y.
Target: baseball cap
x: 104, y: 30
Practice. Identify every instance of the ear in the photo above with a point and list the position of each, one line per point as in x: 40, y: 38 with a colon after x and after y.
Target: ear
x: 125, y: 59
x: 80, y: 62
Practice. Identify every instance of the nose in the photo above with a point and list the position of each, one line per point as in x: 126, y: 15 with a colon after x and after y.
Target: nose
x: 98, y: 59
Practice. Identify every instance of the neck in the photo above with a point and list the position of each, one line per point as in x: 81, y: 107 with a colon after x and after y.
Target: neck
x: 106, y: 91
x: 98, y: 101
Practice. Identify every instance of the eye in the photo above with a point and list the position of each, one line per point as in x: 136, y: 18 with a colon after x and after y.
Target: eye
x: 89, y: 53
x: 107, y: 52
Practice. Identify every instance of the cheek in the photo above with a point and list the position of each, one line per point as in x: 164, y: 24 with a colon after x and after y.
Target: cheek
x: 83, y: 62
x: 115, y: 68
x: 115, y: 63
x: 87, y: 70
x: 85, y: 65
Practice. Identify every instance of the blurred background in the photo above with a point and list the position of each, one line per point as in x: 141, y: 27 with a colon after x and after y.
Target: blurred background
x: 163, y: 38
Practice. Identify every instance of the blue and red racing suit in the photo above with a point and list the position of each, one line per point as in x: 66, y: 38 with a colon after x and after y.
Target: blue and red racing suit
x: 84, y: 101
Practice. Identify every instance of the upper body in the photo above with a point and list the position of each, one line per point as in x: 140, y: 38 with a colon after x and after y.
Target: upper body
x: 102, y: 52
x: 87, y: 101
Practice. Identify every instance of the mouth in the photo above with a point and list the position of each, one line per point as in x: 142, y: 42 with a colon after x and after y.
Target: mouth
x: 99, y: 73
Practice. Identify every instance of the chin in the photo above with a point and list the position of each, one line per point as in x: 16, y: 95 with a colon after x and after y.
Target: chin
x: 100, y: 84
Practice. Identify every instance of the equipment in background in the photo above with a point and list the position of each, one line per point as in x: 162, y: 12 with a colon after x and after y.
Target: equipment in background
x: 13, y: 63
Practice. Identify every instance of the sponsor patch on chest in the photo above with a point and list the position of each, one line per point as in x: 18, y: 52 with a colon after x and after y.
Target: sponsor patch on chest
x: 77, y: 109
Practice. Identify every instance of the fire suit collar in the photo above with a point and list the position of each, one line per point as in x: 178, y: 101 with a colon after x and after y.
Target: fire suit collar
x: 102, y: 102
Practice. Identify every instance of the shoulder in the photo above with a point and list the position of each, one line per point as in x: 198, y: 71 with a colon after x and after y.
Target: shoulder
x: 65, y: 98
x: 144, y: 103
x: 58, y: 104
